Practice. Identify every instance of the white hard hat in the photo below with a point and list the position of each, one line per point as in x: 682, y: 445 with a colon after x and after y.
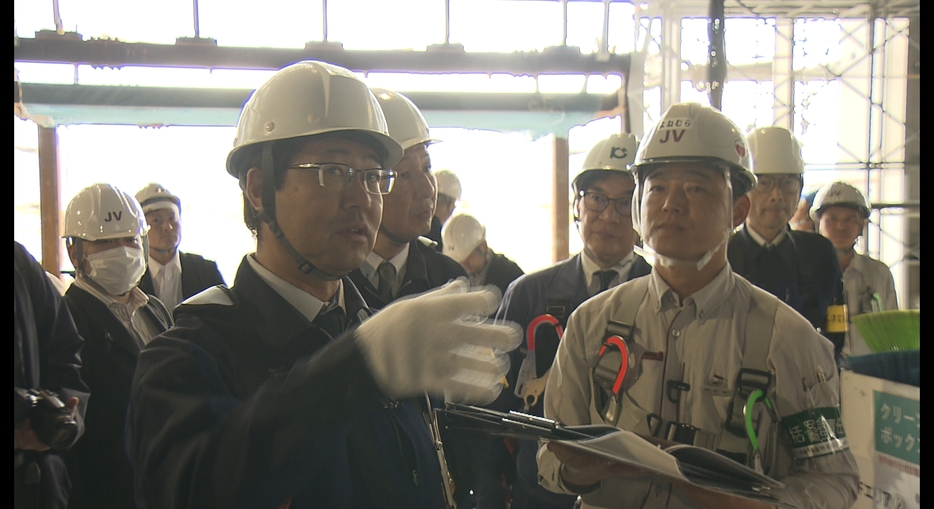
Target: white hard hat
x: 155, y: 196
x: 775, y: 150
x: 615, y: 153
x: 102, y: 211
x: 838, y: 194
x: 448, y: 184
x: 693, y: 133
x: 406, y: 123
x: 461, y: 235
x: 309, y: 98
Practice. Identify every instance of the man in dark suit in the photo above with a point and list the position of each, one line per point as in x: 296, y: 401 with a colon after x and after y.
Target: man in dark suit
x: 171, y: 275
x: 601, y: 206
x: 798, y: 267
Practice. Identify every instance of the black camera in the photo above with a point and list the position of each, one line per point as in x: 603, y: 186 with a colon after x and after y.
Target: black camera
x: 48, y: 417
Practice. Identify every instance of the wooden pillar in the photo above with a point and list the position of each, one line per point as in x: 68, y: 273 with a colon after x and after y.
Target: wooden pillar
x: 50, y: 199
x: 560, y: 199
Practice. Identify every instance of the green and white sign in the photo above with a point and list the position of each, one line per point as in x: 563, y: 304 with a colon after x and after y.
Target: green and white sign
x: 897, y: 426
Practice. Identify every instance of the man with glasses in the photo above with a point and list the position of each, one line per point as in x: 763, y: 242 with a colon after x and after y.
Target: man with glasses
x: 602, y: 202
x: 798, y: 267
x: 282, y: 391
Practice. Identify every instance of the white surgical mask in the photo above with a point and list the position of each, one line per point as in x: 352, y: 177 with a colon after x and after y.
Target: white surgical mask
x: 117, y: 270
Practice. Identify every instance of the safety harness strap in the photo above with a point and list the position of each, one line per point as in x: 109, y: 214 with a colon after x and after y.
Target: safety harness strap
x: 608, y: 390
x: 754, y: 373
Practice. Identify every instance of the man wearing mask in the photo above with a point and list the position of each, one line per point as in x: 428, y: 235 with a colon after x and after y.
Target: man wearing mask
x: 171, y: 275
x: 105, y: 233
x: 798, y: 267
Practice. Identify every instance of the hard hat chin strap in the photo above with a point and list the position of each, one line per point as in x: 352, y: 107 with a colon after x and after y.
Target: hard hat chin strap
x: 267, y: 214
x: 393, y: 237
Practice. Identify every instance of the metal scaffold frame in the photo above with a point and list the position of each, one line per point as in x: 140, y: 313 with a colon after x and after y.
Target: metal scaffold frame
x: 876, y: 77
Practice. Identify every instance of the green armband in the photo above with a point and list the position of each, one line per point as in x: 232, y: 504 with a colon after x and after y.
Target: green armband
x: 816, y: 432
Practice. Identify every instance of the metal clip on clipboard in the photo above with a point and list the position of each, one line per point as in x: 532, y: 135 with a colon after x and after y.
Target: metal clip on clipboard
x: 512, y: 424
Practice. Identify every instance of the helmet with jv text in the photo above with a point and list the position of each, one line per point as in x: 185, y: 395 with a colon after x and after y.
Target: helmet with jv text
x: 102, y: 211
x: 309, y: 98
x: 448, y: 184
x: 615, y: 154
x: 838, y: 194
x: 462, y: 234
x: 775, y: 150
x: 406, y: 123
x: 155, y: 196
x: 697, y: 134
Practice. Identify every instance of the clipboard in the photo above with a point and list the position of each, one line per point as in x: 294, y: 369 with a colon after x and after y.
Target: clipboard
x: 674, y: 462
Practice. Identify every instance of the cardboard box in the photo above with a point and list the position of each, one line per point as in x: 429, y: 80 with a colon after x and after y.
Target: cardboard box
x: 883, y: 425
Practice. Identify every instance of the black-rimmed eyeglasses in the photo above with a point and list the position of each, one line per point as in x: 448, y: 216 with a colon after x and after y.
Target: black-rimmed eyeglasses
x: 597, y: 202
x: 339, y: 176
x: 790, y: 185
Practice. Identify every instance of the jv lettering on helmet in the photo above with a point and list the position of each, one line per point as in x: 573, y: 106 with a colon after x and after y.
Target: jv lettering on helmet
x: 669, y: 133
x: 113, y: 216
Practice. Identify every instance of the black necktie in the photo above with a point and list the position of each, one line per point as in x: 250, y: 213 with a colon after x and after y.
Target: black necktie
x: 387, y: 273
x: 606, y: 276
x: 331, y: 320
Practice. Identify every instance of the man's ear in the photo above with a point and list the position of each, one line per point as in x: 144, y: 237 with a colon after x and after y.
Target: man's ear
x: 576, y: 210
x: 73, y: 254
x: 254, y: 188
x: 740, y: 210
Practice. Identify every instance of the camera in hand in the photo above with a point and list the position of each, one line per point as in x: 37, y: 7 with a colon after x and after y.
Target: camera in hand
x: 48, y: 417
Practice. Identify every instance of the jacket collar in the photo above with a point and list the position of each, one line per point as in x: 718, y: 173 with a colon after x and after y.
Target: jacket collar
x: 276, y: 320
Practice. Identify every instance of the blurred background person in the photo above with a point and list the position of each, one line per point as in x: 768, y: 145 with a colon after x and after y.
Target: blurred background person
x: 449, y: 194
x: 171, y: 275
x: 841, y: 213
x: 465, y: 242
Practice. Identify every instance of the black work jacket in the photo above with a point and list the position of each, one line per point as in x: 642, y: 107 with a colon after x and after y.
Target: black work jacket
x: 502, y: 272
x: 100, y: 472
x: 197, y: 274
x: 246, y: 403
x: 425, y: 269
x: 46, y: 355
x: 805, y: 274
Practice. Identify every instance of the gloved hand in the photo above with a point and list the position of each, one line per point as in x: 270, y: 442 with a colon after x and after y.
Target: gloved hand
x: 437, y: 343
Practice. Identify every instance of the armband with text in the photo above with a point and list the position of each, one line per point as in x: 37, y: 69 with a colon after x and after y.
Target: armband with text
x: 816, y: 432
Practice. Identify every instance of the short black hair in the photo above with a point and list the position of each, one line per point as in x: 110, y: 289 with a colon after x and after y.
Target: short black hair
x: 282, y: 153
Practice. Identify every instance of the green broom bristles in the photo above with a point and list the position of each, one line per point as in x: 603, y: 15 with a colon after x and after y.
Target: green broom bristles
x: 890, y: 331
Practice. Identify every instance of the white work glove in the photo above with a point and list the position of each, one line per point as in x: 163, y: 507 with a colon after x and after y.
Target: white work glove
x: 438, y: 343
